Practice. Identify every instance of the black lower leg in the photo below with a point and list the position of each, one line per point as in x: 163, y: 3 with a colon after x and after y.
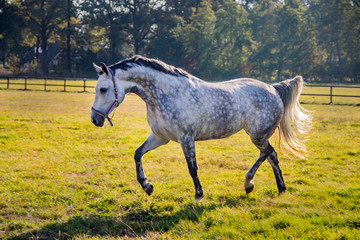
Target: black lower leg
x: 277, y: 172
x: 188, y: 146
x: 152, y: 142
x: 140, y: 174
x: 249, y: 176
x: 263, y: 155
x: 199, y: 193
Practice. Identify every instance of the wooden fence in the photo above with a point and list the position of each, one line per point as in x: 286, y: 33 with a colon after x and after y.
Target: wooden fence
x: 48, y: 84
x: 87, y: 85
x: 331, y: 93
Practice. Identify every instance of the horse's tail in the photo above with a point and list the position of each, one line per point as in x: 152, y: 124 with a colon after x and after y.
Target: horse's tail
x: 289, y: 91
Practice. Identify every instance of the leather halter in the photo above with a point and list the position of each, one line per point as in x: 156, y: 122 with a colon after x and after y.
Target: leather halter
x: 113, y: 106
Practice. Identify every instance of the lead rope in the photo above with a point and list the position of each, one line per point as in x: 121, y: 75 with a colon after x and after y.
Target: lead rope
x: 110, y: 118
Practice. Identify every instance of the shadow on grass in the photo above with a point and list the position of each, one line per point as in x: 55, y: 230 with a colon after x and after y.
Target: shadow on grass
x: 134, y: 223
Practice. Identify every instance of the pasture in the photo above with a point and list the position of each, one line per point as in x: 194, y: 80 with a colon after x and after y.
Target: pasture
x: 61, y: 177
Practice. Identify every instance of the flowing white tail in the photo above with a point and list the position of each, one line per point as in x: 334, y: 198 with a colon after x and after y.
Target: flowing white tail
x: 289, y: 91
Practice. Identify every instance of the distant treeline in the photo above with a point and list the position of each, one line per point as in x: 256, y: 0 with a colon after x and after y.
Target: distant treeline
x: 212, y: 39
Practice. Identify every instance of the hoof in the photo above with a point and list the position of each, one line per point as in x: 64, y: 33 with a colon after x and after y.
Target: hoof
x: 148, y: 188
x: 250, y: 188
x: 199, y: 195
x: 282, y: 190
x: 249, y: 185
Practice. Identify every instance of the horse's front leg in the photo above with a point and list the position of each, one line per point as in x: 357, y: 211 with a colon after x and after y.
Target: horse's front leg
x: 151, y: 143
x: 188, y: 146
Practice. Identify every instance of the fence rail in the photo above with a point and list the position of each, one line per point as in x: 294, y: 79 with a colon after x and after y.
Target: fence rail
x: 48, y: 84
x: 331, y: 94
x: 84, y: 84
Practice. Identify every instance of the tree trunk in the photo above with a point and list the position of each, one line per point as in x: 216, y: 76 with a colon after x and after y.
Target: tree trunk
x: 43, y: 40
x: 37, y: 58
x: 68, y: 38
x: 44, y: 64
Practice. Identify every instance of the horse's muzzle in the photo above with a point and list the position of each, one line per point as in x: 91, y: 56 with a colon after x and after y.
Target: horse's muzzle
x: 97, y: 120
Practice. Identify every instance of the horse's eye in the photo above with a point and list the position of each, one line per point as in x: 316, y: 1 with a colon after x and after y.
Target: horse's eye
x: 103, y: 90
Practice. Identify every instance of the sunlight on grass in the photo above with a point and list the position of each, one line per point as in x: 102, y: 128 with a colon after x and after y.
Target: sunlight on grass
x: 62, y: 177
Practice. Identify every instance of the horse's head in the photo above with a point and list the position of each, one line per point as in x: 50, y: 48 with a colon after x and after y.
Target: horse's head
x: 109, y: 93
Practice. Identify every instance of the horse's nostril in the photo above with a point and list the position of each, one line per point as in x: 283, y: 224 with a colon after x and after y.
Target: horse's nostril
x: 93, y: 120
x: 97, y: 120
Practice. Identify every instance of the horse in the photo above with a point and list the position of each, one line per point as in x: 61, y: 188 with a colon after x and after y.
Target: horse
x: 183, y: 108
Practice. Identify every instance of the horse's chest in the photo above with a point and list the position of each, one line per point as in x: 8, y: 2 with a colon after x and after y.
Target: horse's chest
x: 162, y: 125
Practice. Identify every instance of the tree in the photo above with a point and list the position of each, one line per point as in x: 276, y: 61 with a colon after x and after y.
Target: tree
x: 338, y: 35
x: 69, y: 15
x: 196, y: 37
x: 166, y: 43
x: 103, y: 23
x: 292, y: 37
x: 141, y: 18
x: 263, y: 18
x: 13, y: 47
x: 44, y: 18
x: 233, y: 40
x: 267, y: 39
x: 285, y: 45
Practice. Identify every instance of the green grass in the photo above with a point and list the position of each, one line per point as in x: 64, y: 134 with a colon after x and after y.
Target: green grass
x: 61, y: 177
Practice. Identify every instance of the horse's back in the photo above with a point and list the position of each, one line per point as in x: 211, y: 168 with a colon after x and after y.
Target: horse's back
x: 238, y: 104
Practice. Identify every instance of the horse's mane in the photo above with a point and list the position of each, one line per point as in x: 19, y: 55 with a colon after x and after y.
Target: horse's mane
x: 155, y: 64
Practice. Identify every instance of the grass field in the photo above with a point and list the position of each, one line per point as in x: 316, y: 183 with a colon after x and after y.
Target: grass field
x: 61, y: 177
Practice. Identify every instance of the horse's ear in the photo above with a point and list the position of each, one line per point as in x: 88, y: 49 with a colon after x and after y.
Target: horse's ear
x: 104, y: 68
x: 97, y: 69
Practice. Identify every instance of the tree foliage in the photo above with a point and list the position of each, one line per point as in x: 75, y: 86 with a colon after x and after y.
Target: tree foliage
x: 216, y: 40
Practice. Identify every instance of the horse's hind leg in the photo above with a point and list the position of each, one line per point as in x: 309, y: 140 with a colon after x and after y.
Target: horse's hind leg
x: 273, y: 160
x: 188, y: 146
x: 265, y: 150
x: 151, y: 143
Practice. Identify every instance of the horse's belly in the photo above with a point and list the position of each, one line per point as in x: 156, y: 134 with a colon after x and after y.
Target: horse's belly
x: 209, y: 122
x: 219, y: 129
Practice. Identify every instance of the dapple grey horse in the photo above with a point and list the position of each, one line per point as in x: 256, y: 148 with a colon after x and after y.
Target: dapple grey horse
x: 185, y: 109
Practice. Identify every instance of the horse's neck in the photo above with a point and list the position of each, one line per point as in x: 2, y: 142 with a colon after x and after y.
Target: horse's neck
x: 146, y: 76
x: 150, y: 80
x: 142, y: 94
x: 144, y: 83
x: 149, y: 84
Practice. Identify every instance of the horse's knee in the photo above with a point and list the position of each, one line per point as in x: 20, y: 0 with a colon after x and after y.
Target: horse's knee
x: 141, y: 178
x: 269, y: 150
x: 138, y: 154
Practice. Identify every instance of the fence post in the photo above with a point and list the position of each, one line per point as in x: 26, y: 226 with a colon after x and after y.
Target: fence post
x: 331, y: 90
x: 8, y: 82
x: 25, y: 83
x: 64, y: 84
x: 84, y: 85
x: 45, y: 85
